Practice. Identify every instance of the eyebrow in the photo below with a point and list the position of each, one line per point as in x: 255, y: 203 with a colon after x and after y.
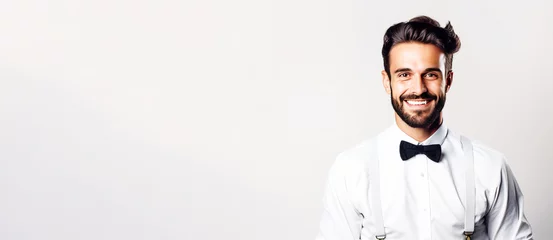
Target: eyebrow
x: 408, y: 70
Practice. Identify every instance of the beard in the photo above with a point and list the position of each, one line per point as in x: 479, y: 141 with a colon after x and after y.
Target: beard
x: 417, y: 119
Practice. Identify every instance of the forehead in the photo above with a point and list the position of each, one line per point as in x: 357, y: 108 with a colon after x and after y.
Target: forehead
x: 416, y: 56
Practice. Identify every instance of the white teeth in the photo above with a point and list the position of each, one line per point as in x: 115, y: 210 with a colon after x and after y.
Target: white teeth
x: 416, y: 102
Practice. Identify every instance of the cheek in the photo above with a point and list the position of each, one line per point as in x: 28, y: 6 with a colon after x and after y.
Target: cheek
x: 437, y: 88
x: 398, y: 90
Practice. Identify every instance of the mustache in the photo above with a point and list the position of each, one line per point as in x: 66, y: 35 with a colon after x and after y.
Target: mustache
x: 425, y: 95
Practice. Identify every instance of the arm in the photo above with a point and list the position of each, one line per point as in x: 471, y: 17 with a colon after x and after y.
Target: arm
x: 340, y: 220
x: 506, y: 219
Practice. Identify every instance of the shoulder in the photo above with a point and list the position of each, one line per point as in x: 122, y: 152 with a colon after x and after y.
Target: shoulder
x: 356, y: 158
x: 490, y: 164
x: 488, y: 159
x: 485, y: 156
x: 351, y: 163
x: 356, y: 155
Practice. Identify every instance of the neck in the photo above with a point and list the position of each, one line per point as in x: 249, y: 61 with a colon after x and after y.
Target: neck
x: 419, y: 134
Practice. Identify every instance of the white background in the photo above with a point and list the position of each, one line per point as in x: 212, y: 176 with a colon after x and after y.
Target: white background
x: 219, y: 119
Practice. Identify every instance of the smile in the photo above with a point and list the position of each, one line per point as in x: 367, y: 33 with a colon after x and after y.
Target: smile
x: 418, y: 102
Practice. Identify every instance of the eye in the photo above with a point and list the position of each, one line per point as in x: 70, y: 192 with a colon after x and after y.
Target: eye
x: 431, y: 75
x: 403, y: 75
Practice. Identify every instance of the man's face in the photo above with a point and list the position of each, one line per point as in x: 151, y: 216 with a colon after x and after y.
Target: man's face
x: 416, y: 83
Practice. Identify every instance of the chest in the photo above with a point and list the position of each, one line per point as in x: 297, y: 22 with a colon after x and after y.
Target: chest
x: 425, y: 200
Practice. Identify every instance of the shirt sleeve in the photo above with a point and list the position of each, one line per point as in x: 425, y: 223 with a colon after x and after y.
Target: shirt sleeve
x: 506, y: 219
x: 340, y: 220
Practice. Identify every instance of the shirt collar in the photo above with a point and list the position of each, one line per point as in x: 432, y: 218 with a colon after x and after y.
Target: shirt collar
x: 437, y: 137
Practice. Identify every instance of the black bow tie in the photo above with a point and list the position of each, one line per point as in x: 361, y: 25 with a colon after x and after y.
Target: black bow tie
x: 408, y: 150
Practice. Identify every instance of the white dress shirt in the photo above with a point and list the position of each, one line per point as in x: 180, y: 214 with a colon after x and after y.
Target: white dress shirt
x: 422, y: 199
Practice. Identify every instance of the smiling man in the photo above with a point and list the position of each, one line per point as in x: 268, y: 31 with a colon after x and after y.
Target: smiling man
x: 419, y: 179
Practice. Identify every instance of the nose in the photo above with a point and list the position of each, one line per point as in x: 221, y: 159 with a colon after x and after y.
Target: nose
x: 418, y: 86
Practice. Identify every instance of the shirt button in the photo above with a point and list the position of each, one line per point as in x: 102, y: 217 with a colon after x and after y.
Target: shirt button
x: 422, y: 174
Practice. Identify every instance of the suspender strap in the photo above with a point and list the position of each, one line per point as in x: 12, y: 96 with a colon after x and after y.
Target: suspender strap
x: 469, y: 187
x: 374, y: 191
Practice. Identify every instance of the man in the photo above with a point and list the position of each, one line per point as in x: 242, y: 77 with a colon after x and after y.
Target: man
x: 418, y: 179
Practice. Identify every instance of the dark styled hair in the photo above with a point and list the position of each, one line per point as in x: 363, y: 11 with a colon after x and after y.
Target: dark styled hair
x: 421, y: 29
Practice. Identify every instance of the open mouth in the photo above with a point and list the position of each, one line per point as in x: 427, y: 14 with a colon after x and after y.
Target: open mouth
x: 418, y: 102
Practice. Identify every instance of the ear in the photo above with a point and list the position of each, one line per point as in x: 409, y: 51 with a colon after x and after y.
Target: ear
x: 448, y: 80
x: 386, y: 82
